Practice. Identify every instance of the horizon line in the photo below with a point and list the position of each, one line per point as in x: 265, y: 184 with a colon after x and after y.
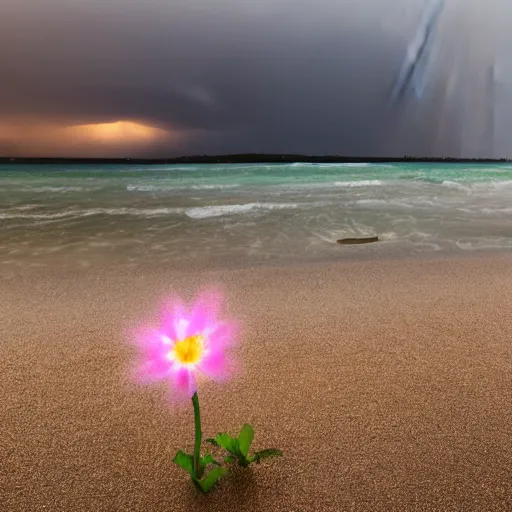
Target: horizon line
x: 247, y: 158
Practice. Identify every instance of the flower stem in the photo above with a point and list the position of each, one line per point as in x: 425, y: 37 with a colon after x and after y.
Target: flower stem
x: 198, y: 471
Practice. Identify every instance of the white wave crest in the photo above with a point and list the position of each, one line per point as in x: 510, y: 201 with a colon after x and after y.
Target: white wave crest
x: 35, y: 216
x: 454, y: 184
x: 485, y: 186
x: 372, y: 202
x: 205, y: 212
x: 163, y: 188
x: 496, y: 211
x: 301, y: 164
x: 502, y: 184
x: 330, y: 164
x: 213, y: 187
x: 26, y: 207
x: 73, y: 214
x: 54, y: 189
x: 143, y: 188
x: 358, y: 183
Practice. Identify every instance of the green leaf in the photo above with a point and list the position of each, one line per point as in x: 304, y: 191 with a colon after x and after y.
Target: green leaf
x: 211, y: 478
x: 245, y: 439
x: 264, y: 454
x: 207, y: 459
x: 228, y: 443
x: 185, y: 461
x: 230, y: 459
x: 212, y: 441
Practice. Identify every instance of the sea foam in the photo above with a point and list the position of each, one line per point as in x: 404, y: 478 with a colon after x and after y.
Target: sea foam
x: 358, y: 183
x: 204, y: 212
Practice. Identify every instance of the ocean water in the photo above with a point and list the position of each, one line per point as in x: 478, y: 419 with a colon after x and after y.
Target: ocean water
x: 183, y: 215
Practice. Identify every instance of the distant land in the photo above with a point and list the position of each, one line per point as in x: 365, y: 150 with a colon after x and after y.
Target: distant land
x: 248, y: 158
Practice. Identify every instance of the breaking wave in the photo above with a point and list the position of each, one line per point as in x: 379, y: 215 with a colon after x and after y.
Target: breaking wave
x: 47, y: 189
x: 204, y: 212
x: 358, y: 183
x: 163, y: 188
x: 73, y: 214
x: 200, y: 212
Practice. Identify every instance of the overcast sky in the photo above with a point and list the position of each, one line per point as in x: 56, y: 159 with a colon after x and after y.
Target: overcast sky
x: 238, y: 76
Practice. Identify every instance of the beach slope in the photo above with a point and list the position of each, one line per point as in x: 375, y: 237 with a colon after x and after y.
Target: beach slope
x: 386, y: 384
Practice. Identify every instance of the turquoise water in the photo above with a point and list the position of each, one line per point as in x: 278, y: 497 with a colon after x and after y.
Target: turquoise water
x: 211, y: 214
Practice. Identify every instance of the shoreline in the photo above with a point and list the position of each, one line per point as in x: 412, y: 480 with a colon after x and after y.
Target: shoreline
x: 385, y: 383
x: 349, y: 255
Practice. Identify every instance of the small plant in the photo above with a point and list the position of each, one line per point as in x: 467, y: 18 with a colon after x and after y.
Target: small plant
x: 187, y: 344
x: 238, y: 447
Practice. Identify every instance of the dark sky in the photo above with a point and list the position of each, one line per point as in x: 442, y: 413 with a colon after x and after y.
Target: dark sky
x: 233, y: 76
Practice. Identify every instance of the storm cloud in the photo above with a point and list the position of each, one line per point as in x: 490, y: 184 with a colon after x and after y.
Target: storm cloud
x: 234, y: 75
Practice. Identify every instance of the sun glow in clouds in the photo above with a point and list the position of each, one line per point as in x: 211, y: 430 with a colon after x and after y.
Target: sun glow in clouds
x: 119, y: 131
x: 121, y: 138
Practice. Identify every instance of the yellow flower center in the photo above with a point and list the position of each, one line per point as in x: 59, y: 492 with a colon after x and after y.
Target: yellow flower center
x: 190, y: 350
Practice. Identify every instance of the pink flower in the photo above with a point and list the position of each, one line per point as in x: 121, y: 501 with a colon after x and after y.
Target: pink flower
x: 186, y: 344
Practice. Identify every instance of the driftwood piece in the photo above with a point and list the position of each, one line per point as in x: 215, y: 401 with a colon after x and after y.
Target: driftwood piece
x: 355, y: 241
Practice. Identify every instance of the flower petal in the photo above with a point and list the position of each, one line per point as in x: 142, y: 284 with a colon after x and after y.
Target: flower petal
x: 152, y: 370
x: 176, y: 324
x: 184, y: 382
x: 204, y: 311
x: 181, y: 326
x: 171, y: 311
x: 215, y: 366
x: 152, y: 351
x: 222, y: 336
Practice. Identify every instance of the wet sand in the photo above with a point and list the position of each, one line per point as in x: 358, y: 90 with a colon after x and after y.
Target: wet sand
x: 388, y: 385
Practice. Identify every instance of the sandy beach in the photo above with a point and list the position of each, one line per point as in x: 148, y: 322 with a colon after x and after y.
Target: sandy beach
x: 388, y: 385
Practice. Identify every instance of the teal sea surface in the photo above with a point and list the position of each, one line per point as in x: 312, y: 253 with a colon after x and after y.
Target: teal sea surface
x: 179, y: 215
